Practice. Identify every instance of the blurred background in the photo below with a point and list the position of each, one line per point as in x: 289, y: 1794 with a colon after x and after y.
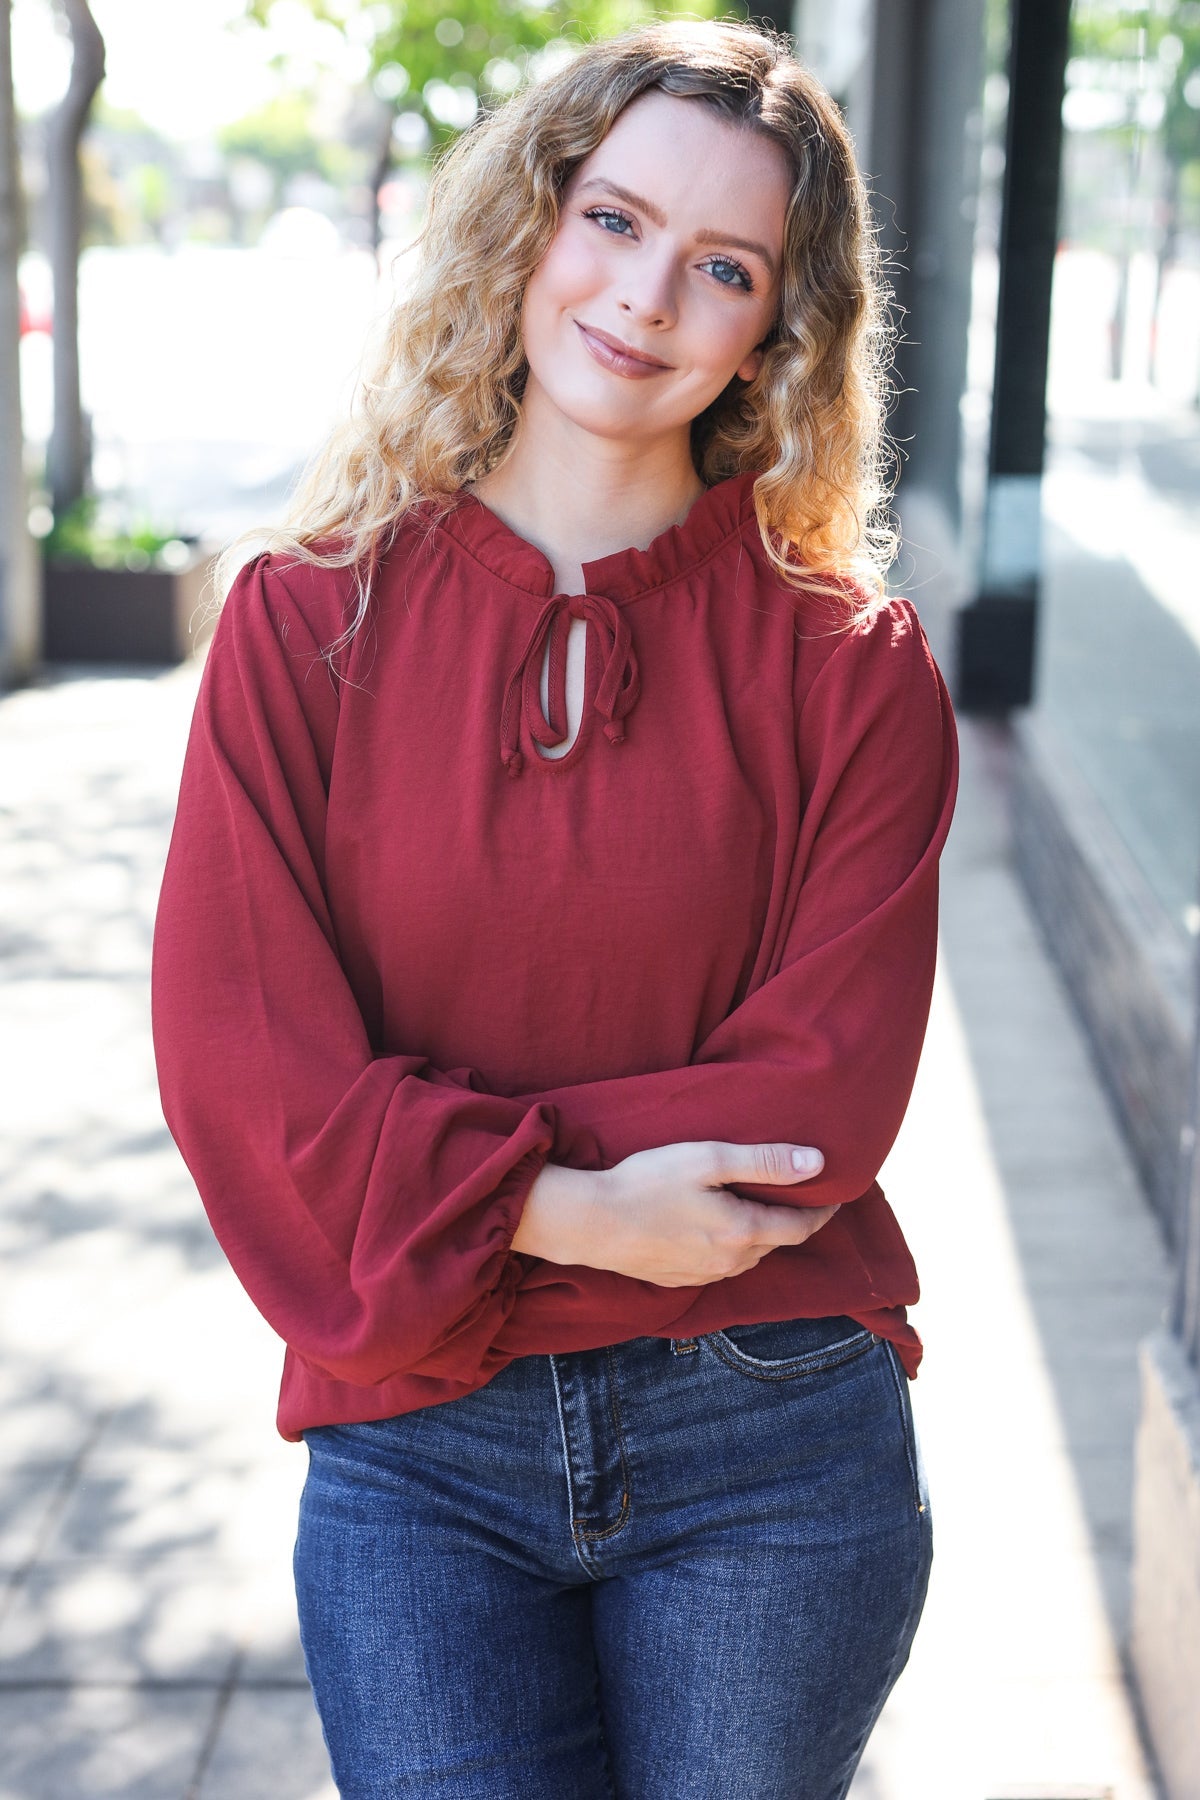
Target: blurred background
x: 206, y: 210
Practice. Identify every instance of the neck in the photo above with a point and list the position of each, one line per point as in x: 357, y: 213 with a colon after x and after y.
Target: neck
x: 579, y: 497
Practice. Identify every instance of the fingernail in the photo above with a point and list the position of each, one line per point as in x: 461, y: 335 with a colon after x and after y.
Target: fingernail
x: 807, y: 1159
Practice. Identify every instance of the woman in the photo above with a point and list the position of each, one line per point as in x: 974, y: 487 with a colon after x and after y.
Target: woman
x: 557, y: 855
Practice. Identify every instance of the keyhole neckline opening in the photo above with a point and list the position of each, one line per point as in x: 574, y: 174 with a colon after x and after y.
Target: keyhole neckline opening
x: 611, y: 682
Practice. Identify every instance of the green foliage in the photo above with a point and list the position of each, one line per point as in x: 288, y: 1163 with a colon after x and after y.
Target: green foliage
x: 152, y: 188
x: 284, y: 138
x: 81, y: 536
x: 1167, y: 34
x: 278, y: 134
x: 419, y: 49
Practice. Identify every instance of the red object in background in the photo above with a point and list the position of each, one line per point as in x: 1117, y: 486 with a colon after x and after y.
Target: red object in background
x: 35, y: 311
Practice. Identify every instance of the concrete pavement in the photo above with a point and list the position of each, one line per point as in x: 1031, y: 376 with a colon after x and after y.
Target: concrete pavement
x: 148, y: 1646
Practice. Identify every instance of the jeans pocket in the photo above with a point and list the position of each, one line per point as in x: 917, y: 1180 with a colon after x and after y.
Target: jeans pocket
x: 912, y: 1444
x: 784, y: 1349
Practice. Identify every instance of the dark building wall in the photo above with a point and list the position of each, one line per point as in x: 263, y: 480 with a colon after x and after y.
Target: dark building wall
x: 909, y: 77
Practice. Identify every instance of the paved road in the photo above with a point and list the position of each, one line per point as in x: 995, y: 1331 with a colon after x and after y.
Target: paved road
x: 147, y: 1638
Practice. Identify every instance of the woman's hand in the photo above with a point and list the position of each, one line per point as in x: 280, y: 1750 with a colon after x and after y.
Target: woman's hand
x: 662, y: 1214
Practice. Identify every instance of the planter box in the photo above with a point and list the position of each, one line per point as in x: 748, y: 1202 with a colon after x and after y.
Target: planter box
x: 124, y: 615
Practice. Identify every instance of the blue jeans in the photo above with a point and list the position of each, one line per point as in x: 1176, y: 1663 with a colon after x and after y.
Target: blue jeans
x: 668, y: 1569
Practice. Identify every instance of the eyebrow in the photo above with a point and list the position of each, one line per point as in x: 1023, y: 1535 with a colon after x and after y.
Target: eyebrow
x: 659, y: 218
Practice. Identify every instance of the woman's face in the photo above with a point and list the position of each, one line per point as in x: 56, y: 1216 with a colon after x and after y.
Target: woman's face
x: 670, y: 240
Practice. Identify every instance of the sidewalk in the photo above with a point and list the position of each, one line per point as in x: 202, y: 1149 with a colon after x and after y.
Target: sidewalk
x: 148, y: 1646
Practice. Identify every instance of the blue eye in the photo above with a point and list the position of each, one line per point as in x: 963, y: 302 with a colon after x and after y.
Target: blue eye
x: 607, y: 212
x: 738, y: 269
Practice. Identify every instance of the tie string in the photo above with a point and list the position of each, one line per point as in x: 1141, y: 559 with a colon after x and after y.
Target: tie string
x: 616, y: 691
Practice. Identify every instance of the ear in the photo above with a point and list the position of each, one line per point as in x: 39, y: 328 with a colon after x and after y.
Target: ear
x: 748, y: 368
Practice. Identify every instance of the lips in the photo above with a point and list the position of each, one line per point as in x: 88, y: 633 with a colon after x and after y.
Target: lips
x: 621, y: 351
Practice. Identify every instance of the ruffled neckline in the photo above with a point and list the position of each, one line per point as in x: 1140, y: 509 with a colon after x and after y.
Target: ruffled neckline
x: 715, y: 515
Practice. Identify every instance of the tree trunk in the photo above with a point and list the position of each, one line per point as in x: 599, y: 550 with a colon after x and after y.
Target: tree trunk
x: 69, y: 456
x: 20, y: 645
x: 380, y: 171
x: 1166, y: 251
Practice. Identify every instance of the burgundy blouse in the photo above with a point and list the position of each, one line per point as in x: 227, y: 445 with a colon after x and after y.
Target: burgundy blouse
x: 402, y: 958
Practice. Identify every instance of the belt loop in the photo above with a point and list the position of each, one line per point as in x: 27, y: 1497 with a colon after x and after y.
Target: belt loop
x: 681, y: 1346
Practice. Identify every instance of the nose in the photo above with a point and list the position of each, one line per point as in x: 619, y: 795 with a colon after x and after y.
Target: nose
x: 649, y: 292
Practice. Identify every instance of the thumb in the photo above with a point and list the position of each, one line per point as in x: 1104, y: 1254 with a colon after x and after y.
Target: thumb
x: 767, y: 1162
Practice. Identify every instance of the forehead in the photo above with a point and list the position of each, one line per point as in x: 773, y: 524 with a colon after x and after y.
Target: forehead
x: 688, y: 158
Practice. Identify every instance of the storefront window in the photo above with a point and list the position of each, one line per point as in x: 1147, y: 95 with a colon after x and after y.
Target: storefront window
x: 1118, y: 654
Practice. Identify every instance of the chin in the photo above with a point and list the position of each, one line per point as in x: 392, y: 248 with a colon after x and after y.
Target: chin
x: 615, y: 417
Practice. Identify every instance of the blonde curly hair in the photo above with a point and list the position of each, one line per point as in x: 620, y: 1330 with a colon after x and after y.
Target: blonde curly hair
x: 440, y: 405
